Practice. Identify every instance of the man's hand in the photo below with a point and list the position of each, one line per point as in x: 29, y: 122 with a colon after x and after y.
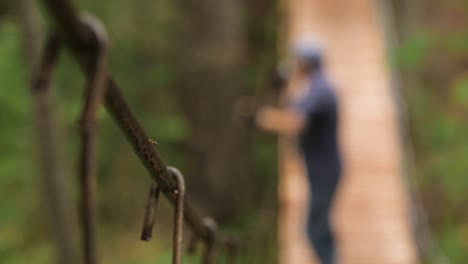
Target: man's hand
x: 283, y: 121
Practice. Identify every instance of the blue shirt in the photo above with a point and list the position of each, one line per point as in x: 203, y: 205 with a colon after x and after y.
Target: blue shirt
x: 318, y: 141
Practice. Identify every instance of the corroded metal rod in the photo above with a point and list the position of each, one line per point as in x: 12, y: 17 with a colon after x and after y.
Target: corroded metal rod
x: 95, y: 88
x: 150, y: 213
x: 178, y: 216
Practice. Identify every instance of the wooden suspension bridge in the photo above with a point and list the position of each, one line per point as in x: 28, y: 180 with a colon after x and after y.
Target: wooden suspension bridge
x: 372, y: 212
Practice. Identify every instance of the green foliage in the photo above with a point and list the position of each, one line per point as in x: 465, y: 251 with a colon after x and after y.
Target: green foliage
x: 457, y: 45
x: 438, y: 116
x: 415, y: 51
x: 6, y: 8
x: 16, y: 172
x: 454, y: 244
x: 460, y: 91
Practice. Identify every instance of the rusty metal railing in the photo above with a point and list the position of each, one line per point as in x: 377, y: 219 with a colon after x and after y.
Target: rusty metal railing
x: 84, y: 36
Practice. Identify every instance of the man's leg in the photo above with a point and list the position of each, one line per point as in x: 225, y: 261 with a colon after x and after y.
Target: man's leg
x: 319, y: 223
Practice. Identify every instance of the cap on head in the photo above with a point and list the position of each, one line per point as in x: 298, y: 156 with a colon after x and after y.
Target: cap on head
x: 310, y: 51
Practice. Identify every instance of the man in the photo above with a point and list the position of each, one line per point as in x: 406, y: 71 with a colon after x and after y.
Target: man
x: 313, y: 118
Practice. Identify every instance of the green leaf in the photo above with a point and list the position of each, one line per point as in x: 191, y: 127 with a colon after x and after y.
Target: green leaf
x: 460, y: 91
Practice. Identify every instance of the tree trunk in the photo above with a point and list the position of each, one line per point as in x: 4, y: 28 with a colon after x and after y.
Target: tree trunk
x: 209, y: 59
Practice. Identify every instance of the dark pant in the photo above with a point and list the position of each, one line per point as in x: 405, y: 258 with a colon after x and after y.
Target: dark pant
x: 320, y: 232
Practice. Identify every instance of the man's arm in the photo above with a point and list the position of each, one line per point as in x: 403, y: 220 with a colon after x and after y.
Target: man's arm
x: 282, y: 121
